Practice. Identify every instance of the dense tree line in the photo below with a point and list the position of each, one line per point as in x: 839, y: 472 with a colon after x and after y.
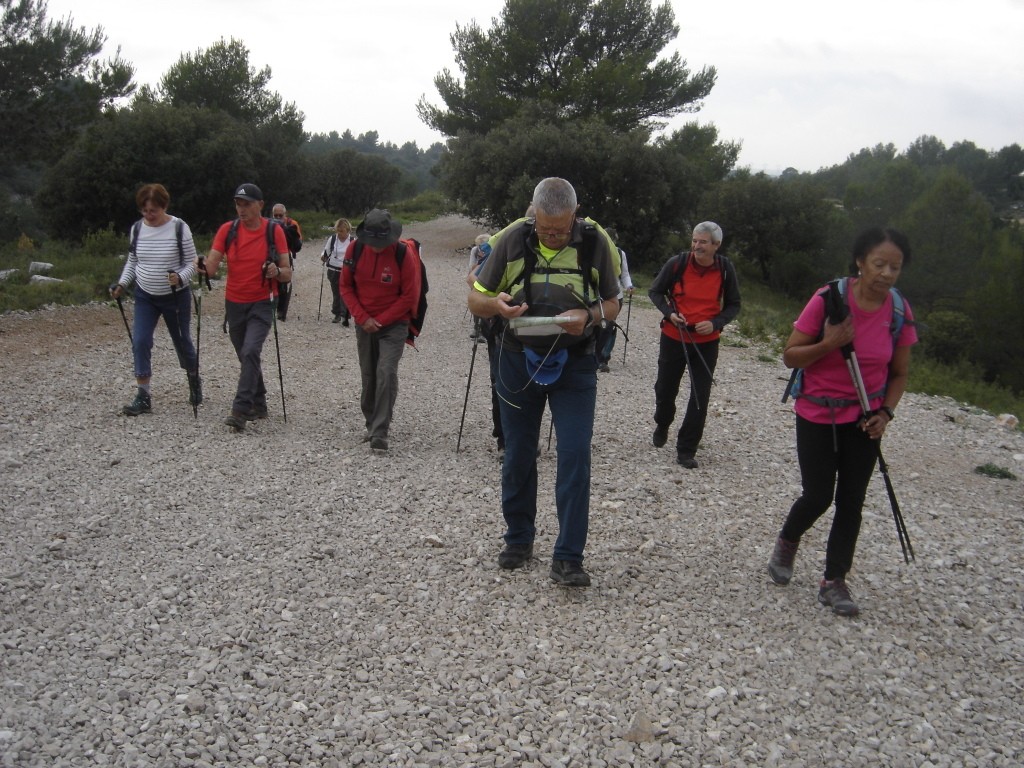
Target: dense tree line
x: 576, y: 88
x: 76, y: 149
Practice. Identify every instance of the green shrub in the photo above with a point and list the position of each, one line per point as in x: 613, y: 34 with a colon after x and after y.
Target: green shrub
x: 991, y: 470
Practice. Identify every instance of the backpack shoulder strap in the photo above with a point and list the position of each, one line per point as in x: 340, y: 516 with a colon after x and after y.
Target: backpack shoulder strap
x: 899, y: 314
x: 231, y: 235
x: 133, y: 239
x: 179, y: 227
x: 400, y: 253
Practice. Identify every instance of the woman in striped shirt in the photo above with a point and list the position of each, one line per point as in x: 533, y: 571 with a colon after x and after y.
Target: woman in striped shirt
x: 160, y: 263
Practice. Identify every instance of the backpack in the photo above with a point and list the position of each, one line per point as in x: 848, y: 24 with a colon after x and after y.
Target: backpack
x: 680, y: 271
x: 899, y: 316
x: 271, y: 249
x: 416, y: 324
x: 178, y: 229
x: 291, y: 234
x: 584, y: 267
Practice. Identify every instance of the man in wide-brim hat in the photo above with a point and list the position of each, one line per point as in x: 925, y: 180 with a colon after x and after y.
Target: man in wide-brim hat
x: 382, y: 295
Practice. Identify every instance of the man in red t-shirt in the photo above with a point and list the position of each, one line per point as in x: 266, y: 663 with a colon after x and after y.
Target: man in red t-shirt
x: 698, y: 294
x: 257, y: 264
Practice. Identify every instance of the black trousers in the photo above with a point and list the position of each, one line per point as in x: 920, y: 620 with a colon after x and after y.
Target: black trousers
x: 673, y: 358
x: 833, y: 465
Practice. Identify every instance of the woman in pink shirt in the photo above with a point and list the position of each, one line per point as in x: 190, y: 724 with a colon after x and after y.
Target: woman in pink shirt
x: 837, y: 446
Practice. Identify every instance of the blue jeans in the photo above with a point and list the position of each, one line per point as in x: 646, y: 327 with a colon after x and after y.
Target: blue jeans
x: 176, y: 310
x: 572, y: 399
x: 248, y: 327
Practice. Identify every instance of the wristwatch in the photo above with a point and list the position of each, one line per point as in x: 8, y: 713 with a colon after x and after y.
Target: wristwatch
x: 888, y: 412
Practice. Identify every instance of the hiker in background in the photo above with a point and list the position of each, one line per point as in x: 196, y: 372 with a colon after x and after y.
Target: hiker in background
x: 698, y: 294
x: 256, y: 252
x: 836, y: 446
x: 606, y: 336
x: 487, y: 329
x: 480, y: 251
x: 293, y: 236
x: 382, y: 295
x: 160, y: 263
x: 334, y: 256
x: 558, y: 368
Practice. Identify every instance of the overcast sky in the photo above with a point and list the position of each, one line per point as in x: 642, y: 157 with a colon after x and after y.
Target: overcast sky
x: 801, y: 83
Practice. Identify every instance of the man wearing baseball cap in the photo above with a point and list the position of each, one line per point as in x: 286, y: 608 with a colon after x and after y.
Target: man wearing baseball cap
x: 256, y: 252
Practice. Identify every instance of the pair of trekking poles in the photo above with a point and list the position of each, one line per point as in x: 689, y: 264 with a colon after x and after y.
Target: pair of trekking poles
x: 836, y: 315
x: 197, y: 301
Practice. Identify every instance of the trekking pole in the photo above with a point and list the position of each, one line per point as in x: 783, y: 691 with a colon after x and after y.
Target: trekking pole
x: 177, y: 343
x: 277, y: 344
x: 320, y: 304
x: 686, y: 330
x: 277, y: 347
x: 197, y: 300
x: 850, y: 356
x: 629, y: 311
x: 465, y: 401
x: 120, y: 305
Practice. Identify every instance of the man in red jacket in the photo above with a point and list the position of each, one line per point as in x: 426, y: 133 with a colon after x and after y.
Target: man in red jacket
x: 382, y: 295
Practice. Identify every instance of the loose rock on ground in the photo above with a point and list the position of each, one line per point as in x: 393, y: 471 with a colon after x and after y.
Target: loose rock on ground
x: 173, y: 594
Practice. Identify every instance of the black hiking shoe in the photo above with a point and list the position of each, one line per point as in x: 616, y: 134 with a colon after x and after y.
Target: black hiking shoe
x: 660, y: 437
x: 684, y: 459
x: 236, y: 421
x: 257, y: 412
x: 379, y: 445
x: 141, y: 404
x: 569, y: 573
x: 836, y: 594
x: 337, y: 319
x: 195, y: 389
x: 780, y: 565
x: 345, y: 322
x: 515, y: 556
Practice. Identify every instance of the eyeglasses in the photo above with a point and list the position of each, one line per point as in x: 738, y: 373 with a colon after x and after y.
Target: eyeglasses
x: 278, y: 215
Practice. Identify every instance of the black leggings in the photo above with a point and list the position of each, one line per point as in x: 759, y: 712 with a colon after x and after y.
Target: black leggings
x: 827, y: 472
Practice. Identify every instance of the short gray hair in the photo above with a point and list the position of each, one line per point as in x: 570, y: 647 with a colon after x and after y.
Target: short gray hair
x: 711, y: 229
x: 554, y: 197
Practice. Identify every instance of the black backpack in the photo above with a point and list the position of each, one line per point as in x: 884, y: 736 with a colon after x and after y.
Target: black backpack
x: 271, y: 249
x: 416, y: 324
x: 291, y: 234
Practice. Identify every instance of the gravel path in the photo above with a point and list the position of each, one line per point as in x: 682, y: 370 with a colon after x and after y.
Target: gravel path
x: 172, y: 594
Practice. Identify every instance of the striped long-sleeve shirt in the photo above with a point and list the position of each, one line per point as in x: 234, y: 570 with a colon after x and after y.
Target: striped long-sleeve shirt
x: 156, y: 252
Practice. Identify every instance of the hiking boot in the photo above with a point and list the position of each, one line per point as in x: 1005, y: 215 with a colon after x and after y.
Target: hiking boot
x: 257, y: 412
x: 337, y: 319
x: 603, y: 368
x: 379, y: 444
x: 780, y: 565
x: 141, y: 404
x: 515, y: 556
x: 345, y: 322
x: 686, y: 460
x: 236, y: 421
x: 195, y: 389
x: 660, y: 437
x: 835, y: 593
x: 569, y: 573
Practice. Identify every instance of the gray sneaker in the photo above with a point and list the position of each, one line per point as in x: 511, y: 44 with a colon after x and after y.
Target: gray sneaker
x: 780, y: 565
x: 836, y: 594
